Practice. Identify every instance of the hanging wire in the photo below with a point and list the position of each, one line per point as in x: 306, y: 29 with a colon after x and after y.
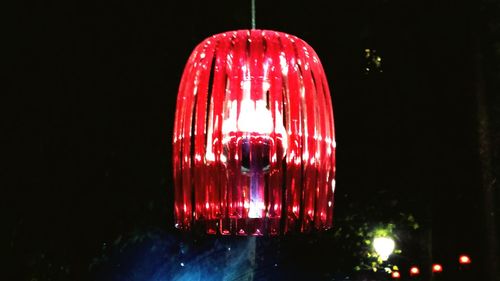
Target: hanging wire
x: 253, y: 14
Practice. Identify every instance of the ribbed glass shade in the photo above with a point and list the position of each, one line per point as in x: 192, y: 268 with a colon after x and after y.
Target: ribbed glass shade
x: 254, y: 143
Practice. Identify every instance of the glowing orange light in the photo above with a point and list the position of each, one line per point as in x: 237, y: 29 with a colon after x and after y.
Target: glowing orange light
x: 396, y: 275
x: 437, y: 268
x: 414, y: 271
x: 464, y: 259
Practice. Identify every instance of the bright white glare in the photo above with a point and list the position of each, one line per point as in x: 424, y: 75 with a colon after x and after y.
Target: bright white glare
x: 384, y: 246
x: 255, y: 117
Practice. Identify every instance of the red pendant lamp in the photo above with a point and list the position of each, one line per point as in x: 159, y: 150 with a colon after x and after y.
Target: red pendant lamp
x: 254, y: 142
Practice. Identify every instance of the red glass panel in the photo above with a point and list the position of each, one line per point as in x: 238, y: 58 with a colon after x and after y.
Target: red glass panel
x: 254, y: 143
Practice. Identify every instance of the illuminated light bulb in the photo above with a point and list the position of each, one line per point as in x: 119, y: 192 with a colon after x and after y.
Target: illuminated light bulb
x: 384, y: 246
x: 254, y: 143
x: 396, y: 275
x: 414, y: 271
x: 464, y: 259
x: 437, y: 268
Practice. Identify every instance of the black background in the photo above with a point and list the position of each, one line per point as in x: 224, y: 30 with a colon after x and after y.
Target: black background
x: 91, y: 97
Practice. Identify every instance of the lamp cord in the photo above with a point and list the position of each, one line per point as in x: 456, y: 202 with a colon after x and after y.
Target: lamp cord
x: 253, y: 14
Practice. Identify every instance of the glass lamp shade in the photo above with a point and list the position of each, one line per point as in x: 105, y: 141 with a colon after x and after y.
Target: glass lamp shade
x: 253, y: 142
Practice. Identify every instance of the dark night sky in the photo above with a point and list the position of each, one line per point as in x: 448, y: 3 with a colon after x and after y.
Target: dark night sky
x: 91, y: 96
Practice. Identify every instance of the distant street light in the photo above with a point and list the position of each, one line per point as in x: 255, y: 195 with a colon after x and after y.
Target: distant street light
x: 414, y: 271
x: 396, y: 275
x: 384, y: 246
x: 464, y: 259
x: 437, y: 268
